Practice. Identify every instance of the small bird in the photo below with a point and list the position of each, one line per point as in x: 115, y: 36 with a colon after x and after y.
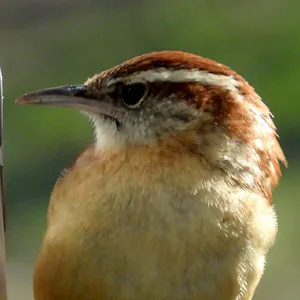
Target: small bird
x: 173, y: 199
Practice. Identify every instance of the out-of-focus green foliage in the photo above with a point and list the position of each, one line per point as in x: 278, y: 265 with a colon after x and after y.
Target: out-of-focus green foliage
x: 259, y: 39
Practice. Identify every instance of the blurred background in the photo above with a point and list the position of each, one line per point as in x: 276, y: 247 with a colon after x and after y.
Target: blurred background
x: 55, y: 42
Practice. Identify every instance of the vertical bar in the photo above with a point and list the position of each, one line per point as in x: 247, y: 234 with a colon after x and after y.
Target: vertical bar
x: 3, y: 289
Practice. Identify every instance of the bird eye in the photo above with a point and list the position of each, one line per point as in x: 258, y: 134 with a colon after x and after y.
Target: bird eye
x: 132, y: 94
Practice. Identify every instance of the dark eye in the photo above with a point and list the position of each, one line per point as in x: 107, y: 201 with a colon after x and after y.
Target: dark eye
x: 132, y: 94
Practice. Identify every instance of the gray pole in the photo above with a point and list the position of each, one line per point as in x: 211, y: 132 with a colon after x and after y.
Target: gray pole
x: 3, y: 290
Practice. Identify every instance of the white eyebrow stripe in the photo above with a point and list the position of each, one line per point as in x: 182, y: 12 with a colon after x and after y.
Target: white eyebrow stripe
x: 193, y: 75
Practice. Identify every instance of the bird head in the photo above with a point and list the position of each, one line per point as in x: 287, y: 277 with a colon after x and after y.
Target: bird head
x: 172, y: 95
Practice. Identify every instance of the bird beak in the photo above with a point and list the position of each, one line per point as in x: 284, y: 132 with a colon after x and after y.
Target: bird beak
x: 74, y: 96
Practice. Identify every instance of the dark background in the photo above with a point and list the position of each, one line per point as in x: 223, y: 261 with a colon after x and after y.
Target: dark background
x: 49, y: 43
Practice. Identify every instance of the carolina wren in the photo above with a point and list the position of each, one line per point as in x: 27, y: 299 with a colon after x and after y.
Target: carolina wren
x: 173, y: 200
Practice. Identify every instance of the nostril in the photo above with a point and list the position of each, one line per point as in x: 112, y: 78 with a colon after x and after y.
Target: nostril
x: 81, y: 92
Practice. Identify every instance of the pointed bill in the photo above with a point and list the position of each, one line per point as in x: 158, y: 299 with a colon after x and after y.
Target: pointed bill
x: 73, y: 96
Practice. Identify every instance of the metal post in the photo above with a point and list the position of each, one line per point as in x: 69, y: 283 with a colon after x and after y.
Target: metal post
x: 3, y: 289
